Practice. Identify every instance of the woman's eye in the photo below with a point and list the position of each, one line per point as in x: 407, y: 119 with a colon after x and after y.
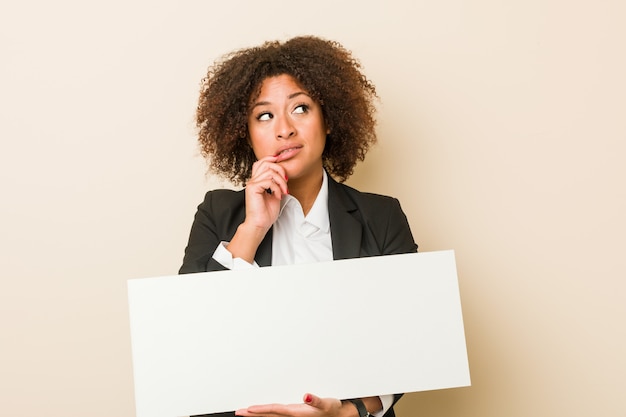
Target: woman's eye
x: 264, y: 116
x: 302, y: 108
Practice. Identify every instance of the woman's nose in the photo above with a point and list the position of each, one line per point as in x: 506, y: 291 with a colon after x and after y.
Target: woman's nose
x: 284, y: 128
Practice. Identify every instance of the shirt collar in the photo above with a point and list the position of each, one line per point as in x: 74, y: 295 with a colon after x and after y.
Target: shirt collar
x: 318, y: 215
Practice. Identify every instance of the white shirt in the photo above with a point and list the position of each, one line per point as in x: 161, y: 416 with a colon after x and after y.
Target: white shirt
x: 297, y: 239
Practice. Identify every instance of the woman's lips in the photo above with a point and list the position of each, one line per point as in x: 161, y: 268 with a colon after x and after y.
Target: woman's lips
x: 287, y: 153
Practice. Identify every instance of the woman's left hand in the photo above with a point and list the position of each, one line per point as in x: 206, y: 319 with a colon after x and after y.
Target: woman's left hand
x: 313, y: 407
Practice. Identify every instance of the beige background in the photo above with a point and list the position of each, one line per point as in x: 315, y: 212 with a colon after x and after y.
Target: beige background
x: 502, y: 133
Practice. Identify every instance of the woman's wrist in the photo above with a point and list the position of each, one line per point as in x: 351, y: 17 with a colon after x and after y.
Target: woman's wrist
x: 348, y: 409
x: 361, y: 406
x: 246, y: 241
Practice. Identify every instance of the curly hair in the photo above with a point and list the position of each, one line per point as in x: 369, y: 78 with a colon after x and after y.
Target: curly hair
x: 325, y: 69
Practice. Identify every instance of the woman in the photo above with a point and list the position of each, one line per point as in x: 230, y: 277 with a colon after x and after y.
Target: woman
x: 285, y: 120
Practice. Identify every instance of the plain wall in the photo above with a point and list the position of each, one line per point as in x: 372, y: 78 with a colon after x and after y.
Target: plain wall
x: 502, y: 132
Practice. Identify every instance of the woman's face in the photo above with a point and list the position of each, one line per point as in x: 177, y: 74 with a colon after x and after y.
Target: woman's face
x: 284, y: 121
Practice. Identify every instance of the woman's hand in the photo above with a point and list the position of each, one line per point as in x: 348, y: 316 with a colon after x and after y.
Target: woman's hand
x: 313, y: 407
x: 264, y: 190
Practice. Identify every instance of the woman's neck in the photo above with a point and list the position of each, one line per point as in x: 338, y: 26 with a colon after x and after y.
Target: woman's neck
x: 305, y: 190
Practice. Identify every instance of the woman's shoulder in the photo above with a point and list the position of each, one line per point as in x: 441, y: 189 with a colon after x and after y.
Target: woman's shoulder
x: 224, y: 193
x: 222, y: 199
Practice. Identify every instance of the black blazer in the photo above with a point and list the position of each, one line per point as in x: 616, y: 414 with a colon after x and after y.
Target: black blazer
x: 361, y: 225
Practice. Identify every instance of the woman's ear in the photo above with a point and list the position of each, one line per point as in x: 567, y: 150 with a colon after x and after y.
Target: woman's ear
x: 243, y: 134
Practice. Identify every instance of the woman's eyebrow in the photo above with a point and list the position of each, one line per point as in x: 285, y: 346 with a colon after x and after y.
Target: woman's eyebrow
x: 260, y: 103
x: 296, y: 94
x: 290, y: 97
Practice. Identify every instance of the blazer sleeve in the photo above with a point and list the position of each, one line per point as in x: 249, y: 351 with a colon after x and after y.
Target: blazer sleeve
x: 386, y: 230
x: 397, y: 237
x: 216, y: 220
x: 391, y: 412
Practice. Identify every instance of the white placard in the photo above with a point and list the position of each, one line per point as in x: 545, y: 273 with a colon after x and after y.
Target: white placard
x: 219, y: 341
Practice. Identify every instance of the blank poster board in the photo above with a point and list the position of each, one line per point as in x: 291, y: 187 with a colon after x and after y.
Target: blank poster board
x: 220, y: 341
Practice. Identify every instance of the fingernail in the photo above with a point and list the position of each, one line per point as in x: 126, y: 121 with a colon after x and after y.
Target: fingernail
x: 286, y: 179
x: 308, y: 398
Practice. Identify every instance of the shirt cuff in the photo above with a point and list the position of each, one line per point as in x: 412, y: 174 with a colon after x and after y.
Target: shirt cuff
x: 223, y: 256
x: 387, y: 402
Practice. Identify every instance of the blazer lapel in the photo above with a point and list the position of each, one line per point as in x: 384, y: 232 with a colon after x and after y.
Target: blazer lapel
x: 345, y: 229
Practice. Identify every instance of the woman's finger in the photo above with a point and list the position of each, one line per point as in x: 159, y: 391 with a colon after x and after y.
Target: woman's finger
x: 269, y: 180
x: 268, y: 163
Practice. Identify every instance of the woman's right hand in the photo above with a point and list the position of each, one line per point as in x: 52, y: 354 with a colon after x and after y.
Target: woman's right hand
x: 262, y: 207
